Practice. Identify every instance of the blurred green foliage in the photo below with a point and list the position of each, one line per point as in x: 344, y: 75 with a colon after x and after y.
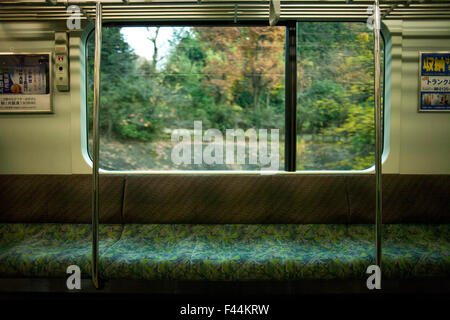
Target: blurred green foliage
x: 233, y: 77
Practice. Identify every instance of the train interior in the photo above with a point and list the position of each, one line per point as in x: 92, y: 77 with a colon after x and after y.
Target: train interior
x: 99, y: 198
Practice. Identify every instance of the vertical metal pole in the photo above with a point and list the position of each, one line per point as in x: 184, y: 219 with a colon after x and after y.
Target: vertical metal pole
x: 378, y: 133
x: 96, y: 143
x: 290, y: 152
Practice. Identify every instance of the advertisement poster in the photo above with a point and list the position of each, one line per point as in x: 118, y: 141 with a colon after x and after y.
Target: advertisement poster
x: 24, y: 83
x: 434, y: 81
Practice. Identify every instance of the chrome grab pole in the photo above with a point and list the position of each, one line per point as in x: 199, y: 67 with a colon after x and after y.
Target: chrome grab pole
x: 378, y: 133
x: 96, y: 142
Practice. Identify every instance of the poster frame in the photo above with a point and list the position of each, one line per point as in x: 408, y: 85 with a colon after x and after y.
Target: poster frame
x: 45, y: 106
x: 419, y: 105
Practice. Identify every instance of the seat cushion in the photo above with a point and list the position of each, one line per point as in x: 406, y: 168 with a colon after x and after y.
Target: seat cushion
x: 47, y: 249
x: 225, y: 252
x: 274, y: 252
x: 152, y: 251
x: 416, y: 251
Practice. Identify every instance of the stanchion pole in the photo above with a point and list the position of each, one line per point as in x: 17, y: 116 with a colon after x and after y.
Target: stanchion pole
x: 378, y: 134
x: 96, y: 143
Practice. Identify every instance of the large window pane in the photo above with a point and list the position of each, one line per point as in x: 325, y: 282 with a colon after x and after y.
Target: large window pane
x: 160, y: 83
x: 335, y: 115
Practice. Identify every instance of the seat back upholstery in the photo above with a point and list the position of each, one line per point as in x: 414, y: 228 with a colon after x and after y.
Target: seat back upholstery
x: 299, y: 198
x: 59, y: 198
x: 235, y: 198
x: 407, y: 198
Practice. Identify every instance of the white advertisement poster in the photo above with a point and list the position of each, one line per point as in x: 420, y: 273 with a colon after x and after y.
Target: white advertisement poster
x: 25, y: 83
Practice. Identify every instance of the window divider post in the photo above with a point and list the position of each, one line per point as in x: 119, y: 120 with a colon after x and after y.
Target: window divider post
x: 290, y: 149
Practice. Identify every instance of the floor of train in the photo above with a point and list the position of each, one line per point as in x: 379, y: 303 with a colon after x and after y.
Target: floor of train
x: 279, y: 306
x: 170, y: 297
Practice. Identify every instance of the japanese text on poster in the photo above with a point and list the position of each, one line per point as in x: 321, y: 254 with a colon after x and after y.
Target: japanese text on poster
x: 435, y: 82
x: 24, y: 83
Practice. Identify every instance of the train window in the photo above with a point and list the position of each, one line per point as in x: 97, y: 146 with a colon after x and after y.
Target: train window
x: 335, y: 108
x: 190, y: 98
x: 212, y: 98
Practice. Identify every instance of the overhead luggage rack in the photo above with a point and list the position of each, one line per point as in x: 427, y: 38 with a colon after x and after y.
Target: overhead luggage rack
x: 212, y: 10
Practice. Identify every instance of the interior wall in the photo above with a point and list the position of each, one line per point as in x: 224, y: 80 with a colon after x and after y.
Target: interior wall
x: 43, y: 143
x: 52, y: 143
x: 424, y: 137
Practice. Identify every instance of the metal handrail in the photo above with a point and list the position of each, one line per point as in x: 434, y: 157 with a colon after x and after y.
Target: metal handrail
x: 378, y: 134
x: 96, y: 144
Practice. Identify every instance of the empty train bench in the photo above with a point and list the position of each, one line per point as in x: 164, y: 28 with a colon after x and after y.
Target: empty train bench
x: 231, y: 227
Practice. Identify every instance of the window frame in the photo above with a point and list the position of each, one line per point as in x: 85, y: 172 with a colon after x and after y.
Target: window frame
x: 290, y: 141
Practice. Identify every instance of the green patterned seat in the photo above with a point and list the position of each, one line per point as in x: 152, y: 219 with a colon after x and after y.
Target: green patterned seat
x: 224, y: 252
x: 274, y: 252
x: 416, y: 251
x: 47, y: 249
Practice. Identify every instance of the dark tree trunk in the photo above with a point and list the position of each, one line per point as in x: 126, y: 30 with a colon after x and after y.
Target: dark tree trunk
x: 110, y: 127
